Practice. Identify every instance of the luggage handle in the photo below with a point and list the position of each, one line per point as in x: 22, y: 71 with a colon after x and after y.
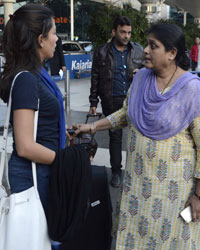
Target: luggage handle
x: 93, y: 116
x: 71, y: 131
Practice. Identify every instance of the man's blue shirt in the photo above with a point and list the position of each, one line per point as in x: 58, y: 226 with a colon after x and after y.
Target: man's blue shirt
x: 120, y: 81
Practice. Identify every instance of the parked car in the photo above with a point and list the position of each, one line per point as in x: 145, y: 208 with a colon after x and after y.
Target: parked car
x: 72, y: 47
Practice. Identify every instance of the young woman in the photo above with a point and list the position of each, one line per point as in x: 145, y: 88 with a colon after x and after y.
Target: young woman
x: 30, y: 38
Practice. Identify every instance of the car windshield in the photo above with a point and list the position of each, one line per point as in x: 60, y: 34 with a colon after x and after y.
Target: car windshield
x: 88, y: 48
x: 84, y: 45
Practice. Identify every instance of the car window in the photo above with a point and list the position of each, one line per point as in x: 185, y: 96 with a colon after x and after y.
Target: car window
x: 66, y: 47
x: 74, y: 47
x: 70, y: 47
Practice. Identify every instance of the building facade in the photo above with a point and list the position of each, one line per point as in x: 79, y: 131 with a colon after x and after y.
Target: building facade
x: 83, y: 9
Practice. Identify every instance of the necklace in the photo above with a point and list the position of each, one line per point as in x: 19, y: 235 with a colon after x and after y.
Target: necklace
x: 168, y: 81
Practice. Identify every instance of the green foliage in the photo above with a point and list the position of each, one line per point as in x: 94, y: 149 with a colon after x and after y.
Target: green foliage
x: 191, y: 31
x: 100, y: 27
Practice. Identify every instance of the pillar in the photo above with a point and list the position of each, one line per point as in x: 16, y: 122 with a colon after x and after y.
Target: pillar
x: 197, y: 20
x: 8, y: 9
x: 72, y: 18
x: 184, y: 18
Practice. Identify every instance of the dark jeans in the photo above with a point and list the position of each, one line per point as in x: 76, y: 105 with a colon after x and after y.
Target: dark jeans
x: 194, y: 65
x: 21, y: 178
x: 115, y: 143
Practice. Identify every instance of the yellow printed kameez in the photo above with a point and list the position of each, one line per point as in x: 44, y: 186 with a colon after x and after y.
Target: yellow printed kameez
x: 158, y: 179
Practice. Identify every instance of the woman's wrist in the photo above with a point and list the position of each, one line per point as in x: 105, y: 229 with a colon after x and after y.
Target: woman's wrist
x: 93, y: 128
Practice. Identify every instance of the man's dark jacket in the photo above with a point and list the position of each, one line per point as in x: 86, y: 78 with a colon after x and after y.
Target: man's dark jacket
x: 103, y: 71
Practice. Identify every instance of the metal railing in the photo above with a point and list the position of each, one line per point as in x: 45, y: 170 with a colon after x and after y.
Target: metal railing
x: 66, y: 95
x: 67, y: 92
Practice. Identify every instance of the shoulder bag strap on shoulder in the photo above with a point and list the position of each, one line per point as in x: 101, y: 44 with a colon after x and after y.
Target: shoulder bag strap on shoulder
x: 5, y: 135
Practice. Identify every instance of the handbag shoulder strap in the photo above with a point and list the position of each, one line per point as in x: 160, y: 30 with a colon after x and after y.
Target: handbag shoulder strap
x: 5, y: 135
x: 33, y: 163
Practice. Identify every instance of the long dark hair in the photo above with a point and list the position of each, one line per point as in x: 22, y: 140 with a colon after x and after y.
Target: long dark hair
x: 20, y: 42
x: 172, y: 36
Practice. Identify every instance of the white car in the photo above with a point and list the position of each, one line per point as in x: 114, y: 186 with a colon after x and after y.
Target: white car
x: 72, y: 47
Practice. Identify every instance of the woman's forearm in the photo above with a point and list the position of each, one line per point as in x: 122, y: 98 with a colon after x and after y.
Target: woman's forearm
x: 36, y: 152
x: 102, y: 124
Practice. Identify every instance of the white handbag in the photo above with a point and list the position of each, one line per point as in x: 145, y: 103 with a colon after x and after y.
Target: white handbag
x: 23, y: 224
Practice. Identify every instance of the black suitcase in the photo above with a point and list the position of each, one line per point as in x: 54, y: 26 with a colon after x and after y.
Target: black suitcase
x: 96, y: 233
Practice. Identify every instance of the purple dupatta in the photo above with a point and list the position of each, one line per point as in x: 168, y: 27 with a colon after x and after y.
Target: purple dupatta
x: 162, y: 116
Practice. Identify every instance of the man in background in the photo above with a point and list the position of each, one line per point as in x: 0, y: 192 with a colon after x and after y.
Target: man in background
x: 113, y: 67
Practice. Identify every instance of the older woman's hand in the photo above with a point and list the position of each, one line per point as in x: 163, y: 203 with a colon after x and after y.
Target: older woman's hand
x: 194, y: 202
x: 81, y: 128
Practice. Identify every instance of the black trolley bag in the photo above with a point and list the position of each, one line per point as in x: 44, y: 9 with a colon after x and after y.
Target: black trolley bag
x: 87, y: 140
x: 96, y: 233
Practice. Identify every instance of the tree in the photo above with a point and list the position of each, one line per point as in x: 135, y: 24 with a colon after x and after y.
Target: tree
x: 190, y: 30
x: 100, y: 26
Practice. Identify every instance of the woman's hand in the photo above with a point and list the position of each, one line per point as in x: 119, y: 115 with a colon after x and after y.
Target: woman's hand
x: 67, y: 133
x: 194, y: 202
x: 75, y: 129
x: 81, y: 128
x: 93, y: 110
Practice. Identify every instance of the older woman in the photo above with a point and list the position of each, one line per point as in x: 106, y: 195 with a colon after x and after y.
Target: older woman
x: 162, y: 172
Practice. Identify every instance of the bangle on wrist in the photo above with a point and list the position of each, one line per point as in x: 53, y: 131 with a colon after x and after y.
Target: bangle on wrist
x: 198, y: 196
x: 93, y: 128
